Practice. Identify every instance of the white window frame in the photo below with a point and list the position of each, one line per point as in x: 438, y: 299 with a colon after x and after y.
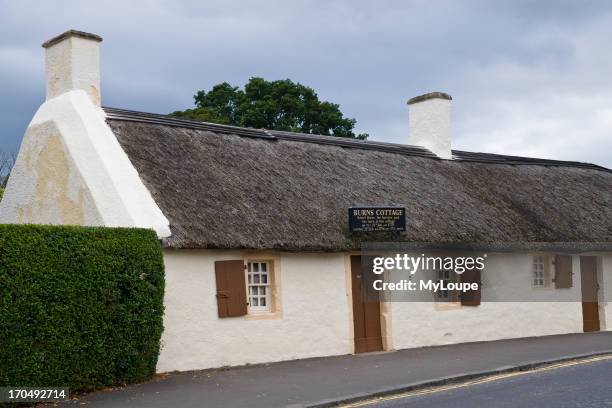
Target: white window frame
x: 446, y: 296
x: 259, y: 285
x: 538, y: 270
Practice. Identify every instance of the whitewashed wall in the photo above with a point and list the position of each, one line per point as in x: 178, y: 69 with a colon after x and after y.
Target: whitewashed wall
x: 430, y: 126
x: 417, y: 324
x: 72, y: 170
x: 316, y: 315
x: 489, y: 321
x: 314, y: 318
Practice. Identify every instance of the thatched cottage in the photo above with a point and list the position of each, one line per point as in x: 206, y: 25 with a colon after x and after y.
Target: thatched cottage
x: 260, y: 262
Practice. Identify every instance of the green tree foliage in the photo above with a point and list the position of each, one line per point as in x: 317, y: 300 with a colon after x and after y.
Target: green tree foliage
x: 1, y: 193
x: 277, y: 105
x: 79, y: 306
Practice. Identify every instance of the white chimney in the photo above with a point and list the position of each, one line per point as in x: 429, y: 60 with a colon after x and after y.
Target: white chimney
x: 430, y: 116
x: 72, y: 62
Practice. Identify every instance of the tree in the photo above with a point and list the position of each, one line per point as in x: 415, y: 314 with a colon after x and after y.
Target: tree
x: 7, y: 161
x: 276, y: 105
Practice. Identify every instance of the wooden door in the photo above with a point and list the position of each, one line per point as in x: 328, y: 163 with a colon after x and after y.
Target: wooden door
x: 366, y: 314
x: 590, y: 305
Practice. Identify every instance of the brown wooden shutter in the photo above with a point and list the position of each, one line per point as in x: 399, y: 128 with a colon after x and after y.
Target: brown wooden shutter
x: 471, y: 297
x: 563, y: 271
x: 231, y: 288
x: 547, y: 270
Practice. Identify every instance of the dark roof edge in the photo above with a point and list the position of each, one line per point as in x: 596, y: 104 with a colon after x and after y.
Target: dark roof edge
x: 355, y: 143
x: 71, y: 33
x: 157, y: 119
x: 458, y: 155
x: 430, y: 95
x: 461, y: 155
x: 499, y: 247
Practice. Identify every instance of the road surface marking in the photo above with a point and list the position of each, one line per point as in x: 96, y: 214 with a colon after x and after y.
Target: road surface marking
x: 484, y: 380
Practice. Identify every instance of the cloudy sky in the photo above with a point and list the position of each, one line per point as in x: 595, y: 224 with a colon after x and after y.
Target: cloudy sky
x: 528, y: 78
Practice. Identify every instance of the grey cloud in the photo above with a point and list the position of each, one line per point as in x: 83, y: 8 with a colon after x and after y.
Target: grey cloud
x: 515, y: 69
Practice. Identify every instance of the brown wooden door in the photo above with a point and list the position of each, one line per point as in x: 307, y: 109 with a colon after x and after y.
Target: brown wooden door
x: 366, y: 314
x: 590, y: 305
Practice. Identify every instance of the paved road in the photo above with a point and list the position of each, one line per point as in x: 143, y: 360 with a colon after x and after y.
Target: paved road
x: 315, y: 381
x: 581, y: 385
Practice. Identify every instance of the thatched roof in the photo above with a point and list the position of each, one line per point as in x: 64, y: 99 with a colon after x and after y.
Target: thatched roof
x: 226, y: 187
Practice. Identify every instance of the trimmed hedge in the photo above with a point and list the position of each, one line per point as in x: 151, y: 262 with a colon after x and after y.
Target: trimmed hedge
x: 79, y: 306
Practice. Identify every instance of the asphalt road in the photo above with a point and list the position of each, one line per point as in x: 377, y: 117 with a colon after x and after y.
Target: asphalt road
x: 308, y: 382
x: 587, y: 384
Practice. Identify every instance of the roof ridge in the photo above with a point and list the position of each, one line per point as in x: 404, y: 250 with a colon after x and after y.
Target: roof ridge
x: 495, y: 158
x: 160, y: 119
x: 136, y: 116
x: 411, y: 150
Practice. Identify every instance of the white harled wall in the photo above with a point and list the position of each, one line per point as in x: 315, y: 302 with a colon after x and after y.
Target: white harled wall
x: 316, y: 311
x: 430, y: 126
x: 313, y: 318
x: 507, y: 277
x: 71, y: 170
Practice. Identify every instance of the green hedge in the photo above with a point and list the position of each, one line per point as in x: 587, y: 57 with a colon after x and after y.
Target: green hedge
x: 79, y: 307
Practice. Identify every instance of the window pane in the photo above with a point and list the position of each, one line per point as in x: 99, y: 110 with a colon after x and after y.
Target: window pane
x: 538, y: 270
x: 258, y: 283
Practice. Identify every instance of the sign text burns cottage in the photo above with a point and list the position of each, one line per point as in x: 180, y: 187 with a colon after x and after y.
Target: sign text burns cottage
x: 367, y: 219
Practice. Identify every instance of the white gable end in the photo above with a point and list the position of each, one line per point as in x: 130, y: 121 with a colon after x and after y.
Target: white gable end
x: 72, y: 170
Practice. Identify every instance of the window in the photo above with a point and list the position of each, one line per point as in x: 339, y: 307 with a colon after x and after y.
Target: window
x: 446, y: 276
x: 258, y: 285
x: 539, y: 268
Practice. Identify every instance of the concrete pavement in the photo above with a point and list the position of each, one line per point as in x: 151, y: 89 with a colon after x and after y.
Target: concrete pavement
x: 326, y: 381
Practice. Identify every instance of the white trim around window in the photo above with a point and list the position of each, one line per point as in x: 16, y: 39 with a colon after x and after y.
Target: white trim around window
x: 259, y: 290
x: 539, y: 271
x: 447, y: 297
